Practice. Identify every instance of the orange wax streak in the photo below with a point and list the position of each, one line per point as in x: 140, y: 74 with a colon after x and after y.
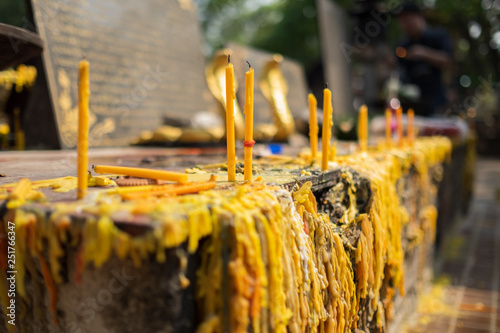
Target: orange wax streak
x: 363, y: 127
x: 173, y: 190
x: 230, y: 97
x: 388, y: 132
x: 83, y: 127
x: 255, y: 300
x: 143, y: 188
x: 49, y: 283
x: 410, y: 133
x: 142, y: 172
x: 313, y: 126
x: 399, y: 119
x: 306, y: 228
x: 248, y: 143
x: 144, y: 194
x: 327, y: 130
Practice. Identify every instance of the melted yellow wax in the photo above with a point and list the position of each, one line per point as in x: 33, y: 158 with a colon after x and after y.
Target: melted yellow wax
x: 333, y: 305
x: 270, y: 262
x: 379, y: 245
x: 21, y: 193
x: 27, y: 190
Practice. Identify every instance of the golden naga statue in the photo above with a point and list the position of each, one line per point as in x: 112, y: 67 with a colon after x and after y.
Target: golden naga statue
x: 215, y: 74
x: 274, y: 88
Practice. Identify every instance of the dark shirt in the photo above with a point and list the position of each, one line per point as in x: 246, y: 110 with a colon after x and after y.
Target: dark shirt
x: 426, y: 76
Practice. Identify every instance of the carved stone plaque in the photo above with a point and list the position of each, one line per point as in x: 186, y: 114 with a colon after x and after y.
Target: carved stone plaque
x: 145, y: 63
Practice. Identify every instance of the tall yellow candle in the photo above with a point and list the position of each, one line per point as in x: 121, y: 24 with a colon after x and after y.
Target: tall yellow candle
x: 83, y: 127
x: 410, y: 132
x: 388, y: 131
x: 313, y: 126
x: 331, y: 157
x: 230, y: 97
x: 363, y: 127
x: 327, y: 127
x: 249, y: 142
x: 399, y: 119
x: 142, y: 172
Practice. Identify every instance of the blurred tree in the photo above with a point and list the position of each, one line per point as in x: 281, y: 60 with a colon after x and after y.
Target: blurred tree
x: 288, y: 27
x: 475, y: 27
x: 294, y: 34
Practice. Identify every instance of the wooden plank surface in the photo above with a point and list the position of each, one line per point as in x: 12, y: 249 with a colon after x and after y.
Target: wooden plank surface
x: 39, y: 165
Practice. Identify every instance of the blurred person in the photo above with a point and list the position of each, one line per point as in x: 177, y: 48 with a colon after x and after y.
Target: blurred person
x: 423, y: 55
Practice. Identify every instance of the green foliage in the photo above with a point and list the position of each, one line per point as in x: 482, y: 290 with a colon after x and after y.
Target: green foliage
x: 295, y: 34
x: 12, y: 12
x: 288, y: 27
x: 457, y: 17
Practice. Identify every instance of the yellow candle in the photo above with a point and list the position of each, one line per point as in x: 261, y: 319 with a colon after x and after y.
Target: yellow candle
x: 128, y: 189
x: 313, y: 126
x: 399, y: 119
x: 331, y: 157
x: 143, y: 173
x: 327, y: 127
x: 249, y: 142
x: 83, y: 127
x: 171, y: 190
x: 388, y: 131
x: 410, y: 133
x: 363, y: 127
x: 230, y: 96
